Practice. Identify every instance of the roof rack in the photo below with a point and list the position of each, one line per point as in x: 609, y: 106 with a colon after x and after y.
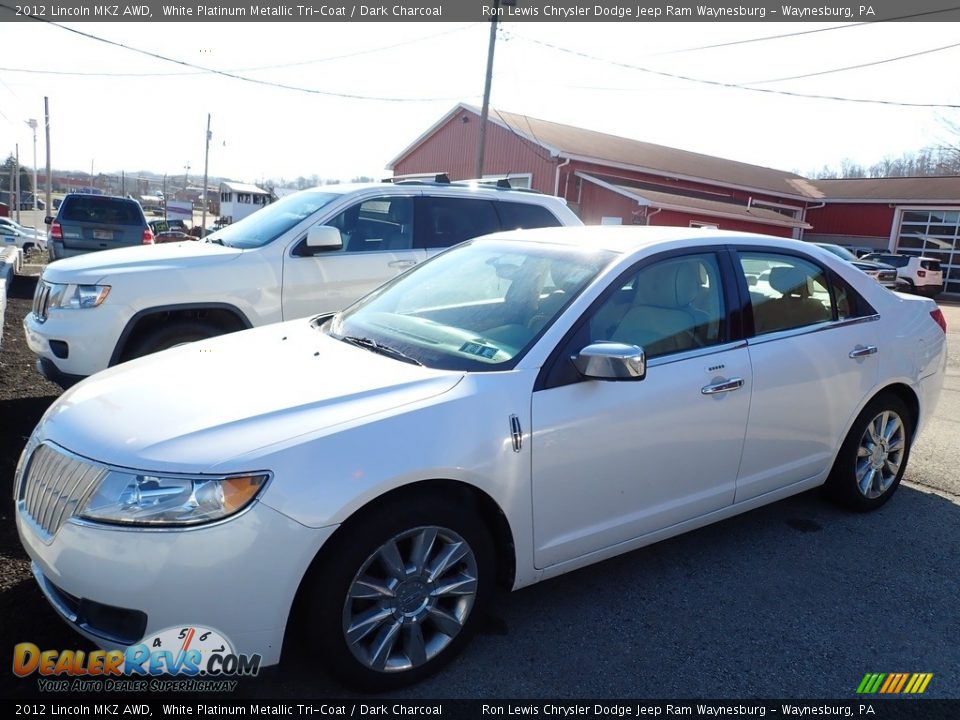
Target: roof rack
x: 498, y: 183
x: 440, y: 178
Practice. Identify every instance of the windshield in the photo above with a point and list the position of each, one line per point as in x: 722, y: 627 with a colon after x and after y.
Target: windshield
x: 269, y: 223
x: 479, y: 306
x: 840, y: 252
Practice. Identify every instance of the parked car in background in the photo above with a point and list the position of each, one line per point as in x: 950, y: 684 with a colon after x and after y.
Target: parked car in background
x: 923, y: 275
x: 313, y: 251
x: 87, y: 223
x: 25, y: 238
x: 884, y: 274
x: 159, y: 226
x: 520, y: 406
x: 168, y: 236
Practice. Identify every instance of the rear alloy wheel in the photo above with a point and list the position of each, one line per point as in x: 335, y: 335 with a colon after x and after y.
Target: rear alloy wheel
x: 399, y: 596
x: 873, y: 458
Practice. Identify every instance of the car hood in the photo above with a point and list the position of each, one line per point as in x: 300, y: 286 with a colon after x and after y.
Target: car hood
x: 91, y: 268
x: 197, y: 406
x: 871, y: 265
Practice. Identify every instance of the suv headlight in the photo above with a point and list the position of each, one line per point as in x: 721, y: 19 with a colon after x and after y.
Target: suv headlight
x: 77, y: 296
x: 145, y: 499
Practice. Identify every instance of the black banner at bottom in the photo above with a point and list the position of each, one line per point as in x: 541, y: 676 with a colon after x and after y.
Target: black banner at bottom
x: 106, y: 705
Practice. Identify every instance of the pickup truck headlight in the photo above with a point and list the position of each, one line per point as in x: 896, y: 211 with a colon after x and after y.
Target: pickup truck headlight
x: 144, y: 499
x: 77, y: 296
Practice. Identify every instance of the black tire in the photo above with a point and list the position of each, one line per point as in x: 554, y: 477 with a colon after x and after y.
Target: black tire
x: 171, y: 335
x: 413, y: 601
x: 911, y: 288
x: 851, y: 482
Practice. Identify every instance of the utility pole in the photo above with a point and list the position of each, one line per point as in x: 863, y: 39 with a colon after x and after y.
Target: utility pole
x: 186, y: 179
x: 16, y: 169
x: 33, y: 126
x: 485, y: 110
x: 206, y: 167
x: 46, y: 114
x: 164, y: 196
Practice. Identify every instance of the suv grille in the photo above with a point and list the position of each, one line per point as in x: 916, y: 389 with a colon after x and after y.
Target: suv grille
x: 53, y: 486
x: 41, y: 300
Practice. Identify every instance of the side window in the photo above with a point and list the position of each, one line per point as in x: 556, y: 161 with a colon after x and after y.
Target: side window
x: 671, y: 306
x: 384, y: 223
x: 786, y: 292
x: 515, y: 216
x: 445, y: 221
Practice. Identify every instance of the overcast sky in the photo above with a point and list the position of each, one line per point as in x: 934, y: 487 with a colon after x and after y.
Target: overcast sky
x: 120, y: 109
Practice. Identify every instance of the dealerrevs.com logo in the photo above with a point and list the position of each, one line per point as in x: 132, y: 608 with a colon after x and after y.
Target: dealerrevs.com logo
x: 190, y: 658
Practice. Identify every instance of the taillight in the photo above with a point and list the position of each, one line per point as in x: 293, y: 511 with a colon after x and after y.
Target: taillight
x: 921, y: 273
x: 56, y: 232
x: 939, y: 319
x: 147, y: 236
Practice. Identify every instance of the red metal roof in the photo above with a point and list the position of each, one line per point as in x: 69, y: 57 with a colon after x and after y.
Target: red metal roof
x: 579, y: 143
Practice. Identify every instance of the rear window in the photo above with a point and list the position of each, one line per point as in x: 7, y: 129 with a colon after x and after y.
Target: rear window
x: 108, y: 211
x: 933, y: 265
x: 515, y: 216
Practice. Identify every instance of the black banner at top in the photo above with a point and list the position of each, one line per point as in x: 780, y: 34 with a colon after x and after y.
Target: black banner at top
x: 478, y: 10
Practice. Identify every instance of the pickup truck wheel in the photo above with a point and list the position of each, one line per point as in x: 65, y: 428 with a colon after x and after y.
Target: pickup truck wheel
x: 168, y: 336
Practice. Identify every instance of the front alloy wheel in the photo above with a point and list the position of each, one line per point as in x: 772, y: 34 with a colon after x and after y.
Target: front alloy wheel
x: 410, y: 599
x: 398, y: 590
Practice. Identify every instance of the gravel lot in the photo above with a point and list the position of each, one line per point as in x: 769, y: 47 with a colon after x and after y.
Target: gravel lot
x: 798, y: 599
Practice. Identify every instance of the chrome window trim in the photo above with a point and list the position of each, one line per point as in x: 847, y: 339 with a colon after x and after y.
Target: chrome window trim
x: 810, y: 329
x: 692, y: 354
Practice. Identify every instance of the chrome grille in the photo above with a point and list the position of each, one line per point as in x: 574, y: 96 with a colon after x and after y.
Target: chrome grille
x: 41, y: 300
x: 53, y: 485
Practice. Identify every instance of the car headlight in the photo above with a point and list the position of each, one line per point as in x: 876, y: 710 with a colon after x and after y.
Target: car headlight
x: 77, y: 296
x: 144, y: 499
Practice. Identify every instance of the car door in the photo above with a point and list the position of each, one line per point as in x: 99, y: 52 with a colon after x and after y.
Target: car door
x: 814, y: 353
x: 377, y: 235
x: 616, y: 460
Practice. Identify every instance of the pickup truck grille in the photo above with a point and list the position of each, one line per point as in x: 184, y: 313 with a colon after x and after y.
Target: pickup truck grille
x: 53, y: 486
x: 41, y: 300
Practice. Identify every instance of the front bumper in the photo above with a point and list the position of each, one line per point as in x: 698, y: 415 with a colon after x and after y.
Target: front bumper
x: 88, y: 335
x: 238, y: 576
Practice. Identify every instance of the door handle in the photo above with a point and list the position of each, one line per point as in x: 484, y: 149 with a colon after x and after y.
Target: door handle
x: 862, y: 351
x: 722, y: 386
x: 402, y: 263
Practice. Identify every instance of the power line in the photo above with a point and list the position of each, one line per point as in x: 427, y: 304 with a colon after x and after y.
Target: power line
x: 911, y: 16
x: 737, y: 86
x: 224, y: 73
x: 855, y: 67
x: 368, y: 51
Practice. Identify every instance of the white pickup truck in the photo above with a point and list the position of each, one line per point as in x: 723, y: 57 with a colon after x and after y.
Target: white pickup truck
x: 313, y: 252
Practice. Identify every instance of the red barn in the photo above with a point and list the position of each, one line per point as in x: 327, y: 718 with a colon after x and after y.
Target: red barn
x: 613, y: 180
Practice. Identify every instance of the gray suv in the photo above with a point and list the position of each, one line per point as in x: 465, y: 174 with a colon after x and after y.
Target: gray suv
x: 87, y: 223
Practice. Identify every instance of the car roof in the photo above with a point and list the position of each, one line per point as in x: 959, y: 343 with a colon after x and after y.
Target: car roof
x: 629, y: 238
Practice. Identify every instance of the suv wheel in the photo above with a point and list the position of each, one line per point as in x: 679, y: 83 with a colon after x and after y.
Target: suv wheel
x: 172, y: 335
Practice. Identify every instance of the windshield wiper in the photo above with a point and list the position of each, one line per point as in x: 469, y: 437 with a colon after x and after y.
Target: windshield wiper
x: 371, y: 344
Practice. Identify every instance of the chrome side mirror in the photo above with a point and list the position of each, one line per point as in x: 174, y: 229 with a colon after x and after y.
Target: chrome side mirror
x: 324, y: 237
x: 611, y: 361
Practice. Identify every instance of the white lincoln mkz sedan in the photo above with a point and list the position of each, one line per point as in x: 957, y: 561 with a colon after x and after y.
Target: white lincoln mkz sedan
x: 520, y: 406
